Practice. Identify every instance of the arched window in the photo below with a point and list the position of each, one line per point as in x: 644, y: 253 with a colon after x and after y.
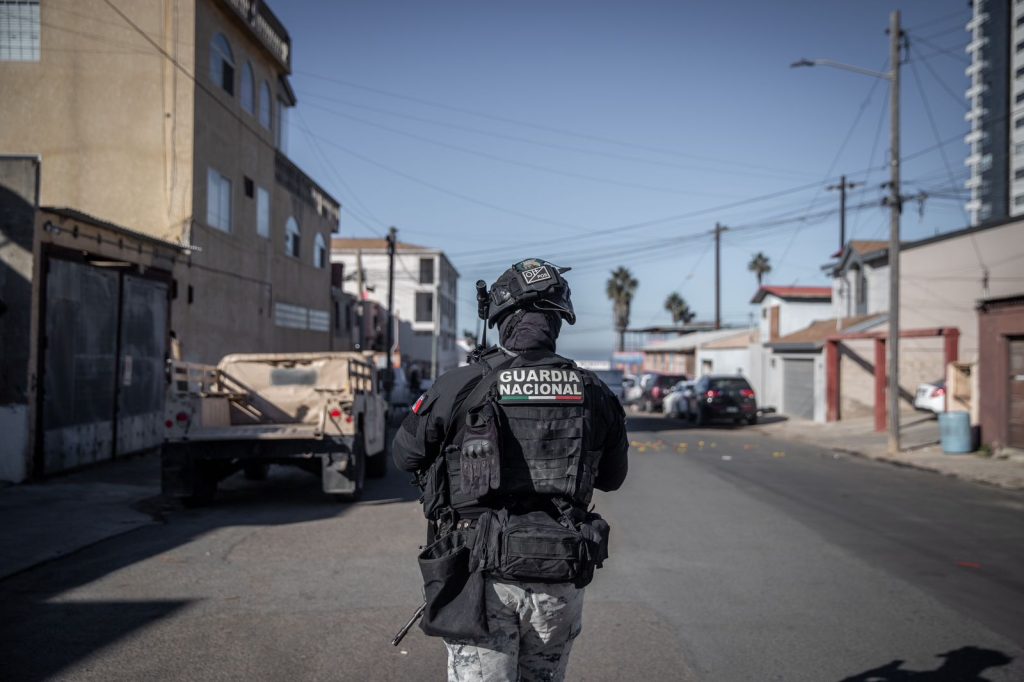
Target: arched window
x: 320, y: 252
x: 265, y: 105
x: 222, y: 63
x: 248, y: 89
x: 291, y: 238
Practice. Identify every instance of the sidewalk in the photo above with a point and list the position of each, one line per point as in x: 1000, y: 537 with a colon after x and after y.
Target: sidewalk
x: 919, y: 438
x: 44, y: 521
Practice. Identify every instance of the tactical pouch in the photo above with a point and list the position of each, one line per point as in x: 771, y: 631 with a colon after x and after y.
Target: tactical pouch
x: 536, y: 547
x: 453, y: 589
x: 480, y: 459
x: 594, y: 531
x: 435, y: 498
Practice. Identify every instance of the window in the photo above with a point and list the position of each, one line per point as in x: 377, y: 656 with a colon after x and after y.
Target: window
x: 218, y: 201
x: 262, y: 212
x: 291, y: 238
x: 248, y: 185
x: 424, y: 306
x: 1018, y: 148
x: 426, y: 270
x: 1020, y: 72
x: 265, y: 105
x: 319, y: 251
x: 1020, y: 97
x: 19, y: 30
x: 248, y: 89
x: 1018, y: 174
x: 222, y: 64
x: 1018, y: 200
x: 1019, y: 123
x: 1020, y: 46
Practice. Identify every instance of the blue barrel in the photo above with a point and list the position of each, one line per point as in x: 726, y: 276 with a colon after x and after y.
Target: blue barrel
x: 955, y: 430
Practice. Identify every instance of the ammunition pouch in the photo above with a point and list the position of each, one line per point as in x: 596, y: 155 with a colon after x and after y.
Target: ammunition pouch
x: 453, y: 588
x: 480, y: 457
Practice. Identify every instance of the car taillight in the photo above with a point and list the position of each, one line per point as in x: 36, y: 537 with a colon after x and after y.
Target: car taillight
x: 335, y: 413
x: 747, y: 393
x: 182, y: 417
x: 713, y: 393
x: 168, y: 423
x: 939, y: 392
x: 656, y: 392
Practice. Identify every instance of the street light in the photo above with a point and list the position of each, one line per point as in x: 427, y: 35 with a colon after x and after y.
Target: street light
x: 895, y: 202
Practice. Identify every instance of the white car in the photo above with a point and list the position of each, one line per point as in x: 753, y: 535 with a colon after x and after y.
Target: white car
x: 931, y: 397
x: 674, y: 404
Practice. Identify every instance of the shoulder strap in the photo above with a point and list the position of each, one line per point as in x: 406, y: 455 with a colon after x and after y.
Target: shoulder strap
x: 473, y: 397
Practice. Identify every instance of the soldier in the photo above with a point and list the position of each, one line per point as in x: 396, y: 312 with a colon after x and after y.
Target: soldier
x: 509, y: 449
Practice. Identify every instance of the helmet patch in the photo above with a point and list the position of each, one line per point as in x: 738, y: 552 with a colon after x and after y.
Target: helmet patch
x: 538, y: 274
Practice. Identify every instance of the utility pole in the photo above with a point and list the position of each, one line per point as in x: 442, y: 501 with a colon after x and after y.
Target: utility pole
x: 842, y: 187
x: 389, y: 380
x: 361, y: 287
x: 719, y: 229
x: 896, y: 207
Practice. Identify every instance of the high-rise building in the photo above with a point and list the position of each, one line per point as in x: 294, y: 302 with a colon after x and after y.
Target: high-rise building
x: 996, y: 114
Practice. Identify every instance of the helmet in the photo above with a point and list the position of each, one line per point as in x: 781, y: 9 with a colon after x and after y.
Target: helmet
x: 531, y: 284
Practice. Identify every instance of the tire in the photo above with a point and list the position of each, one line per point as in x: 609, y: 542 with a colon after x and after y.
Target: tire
x: 203, y: 490
x: 256, y: 471
x: 751, y: 420
x: 377, y: 466
x: 358, y: 463
x: 700, y: 419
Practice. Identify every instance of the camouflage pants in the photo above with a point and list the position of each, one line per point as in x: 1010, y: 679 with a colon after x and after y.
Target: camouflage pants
x: 532, y: 628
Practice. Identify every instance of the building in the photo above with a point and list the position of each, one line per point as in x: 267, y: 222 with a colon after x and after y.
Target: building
x: 996, y: 113
x: 1001, y: 370
x: 860, y: 279
x: 426, y: 297
x: 731, y: 355
x: 679, y: 355
x: 164, y: 129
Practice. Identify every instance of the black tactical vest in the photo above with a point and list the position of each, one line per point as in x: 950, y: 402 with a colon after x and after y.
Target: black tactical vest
x: 544, y: 421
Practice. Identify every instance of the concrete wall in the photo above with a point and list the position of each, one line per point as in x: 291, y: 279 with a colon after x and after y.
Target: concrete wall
x: 996, y: 325
x: 724, y: 361
x: 845, y: 291
x: 110, y: 117
x: 942, y: 281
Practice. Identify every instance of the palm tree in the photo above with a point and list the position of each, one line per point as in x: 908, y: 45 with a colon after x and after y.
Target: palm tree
x: 759, y: 265
x: 678, y: 308
x: 620, y: 289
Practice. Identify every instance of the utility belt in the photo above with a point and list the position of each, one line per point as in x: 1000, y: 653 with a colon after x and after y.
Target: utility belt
x: 530, y: 547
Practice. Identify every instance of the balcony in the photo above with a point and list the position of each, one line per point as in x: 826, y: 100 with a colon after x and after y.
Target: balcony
x: 265, y: 27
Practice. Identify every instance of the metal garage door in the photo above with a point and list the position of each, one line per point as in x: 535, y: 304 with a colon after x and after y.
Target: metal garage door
x: 80, y: 365
x: 140, y: 393
x: 798, y: 388
x: 1016, y: 394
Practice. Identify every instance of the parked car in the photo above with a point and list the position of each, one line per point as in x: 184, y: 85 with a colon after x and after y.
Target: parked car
x: 931, y: 397
x: 655, y: 390
x: 615, y: 380
x: 630, y: 389
x: 720, y: 398
x: 675, y: 403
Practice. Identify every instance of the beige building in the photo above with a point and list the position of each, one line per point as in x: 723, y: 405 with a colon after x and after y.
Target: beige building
x: 167, y: 122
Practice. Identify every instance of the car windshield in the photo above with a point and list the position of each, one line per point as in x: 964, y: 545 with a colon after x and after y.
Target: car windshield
x: 727, y: 384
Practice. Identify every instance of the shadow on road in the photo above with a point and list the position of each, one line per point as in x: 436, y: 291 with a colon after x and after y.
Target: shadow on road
x: 659, y: 422
x: 965, y: 664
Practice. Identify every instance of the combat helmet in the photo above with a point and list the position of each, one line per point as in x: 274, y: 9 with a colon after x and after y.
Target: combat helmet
x: 531, y: 284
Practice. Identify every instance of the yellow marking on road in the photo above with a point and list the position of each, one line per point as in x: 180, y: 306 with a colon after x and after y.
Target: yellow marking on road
x: 778, y: 454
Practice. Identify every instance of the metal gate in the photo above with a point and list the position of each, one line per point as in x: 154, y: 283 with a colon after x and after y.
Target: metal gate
x: 140, y: 390
x: 798, y: 388
x: 80, y: 365
x: 1015, y: 427
x: 103, y: 353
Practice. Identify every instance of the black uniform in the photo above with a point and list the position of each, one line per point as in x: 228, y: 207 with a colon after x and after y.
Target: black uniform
x: 420, y: 438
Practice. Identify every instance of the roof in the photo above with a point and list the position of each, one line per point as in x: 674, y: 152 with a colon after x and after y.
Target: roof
x: 350, y: 244
x: 691, y: 341
x: 862, y: 246
x: 72, y: 214
x: 815, y: 334
x: 868, y: 250
x: 794, y: 293
x: 744, y: 339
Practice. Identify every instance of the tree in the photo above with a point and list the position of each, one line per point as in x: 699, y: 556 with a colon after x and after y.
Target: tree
x: 759, y: 265
x: 620, y: 289
x: 678, y: 308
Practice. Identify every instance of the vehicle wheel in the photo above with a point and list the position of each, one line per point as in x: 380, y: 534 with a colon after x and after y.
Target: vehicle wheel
x: 752, y: 419
x: 256, y: 471
x: 357, y: 473
x: 700, y: 419
x: 377, y: 466
x: 204, y: 489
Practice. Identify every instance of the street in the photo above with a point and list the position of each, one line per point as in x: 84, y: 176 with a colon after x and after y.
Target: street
x: 734, y: 556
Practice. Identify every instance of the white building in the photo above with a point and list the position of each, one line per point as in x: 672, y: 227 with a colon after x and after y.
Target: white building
x: 996, y: 114
x: 426, y: 295
x: 860, y: 279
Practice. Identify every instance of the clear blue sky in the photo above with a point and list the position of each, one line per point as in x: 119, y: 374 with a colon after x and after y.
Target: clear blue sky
x: 498, y: 131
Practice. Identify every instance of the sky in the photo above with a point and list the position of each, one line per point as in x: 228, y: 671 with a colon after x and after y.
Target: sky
x: 600, y: 134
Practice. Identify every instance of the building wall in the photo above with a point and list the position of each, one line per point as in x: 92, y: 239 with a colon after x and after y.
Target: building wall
x: 417, y: 339
x: 110, y: 117
x: 774, y: 373
x: 942, y: 281
x: 723, y: 361
x: 995, y: 326
x: 793, y: 315
x: 845, y: 291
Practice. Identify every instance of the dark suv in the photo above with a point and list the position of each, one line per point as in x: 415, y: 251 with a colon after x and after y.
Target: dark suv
x: 718, y: 397
x: 656, y: 390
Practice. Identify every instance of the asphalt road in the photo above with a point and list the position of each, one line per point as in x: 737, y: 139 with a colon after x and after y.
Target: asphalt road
x: 734, y: 557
